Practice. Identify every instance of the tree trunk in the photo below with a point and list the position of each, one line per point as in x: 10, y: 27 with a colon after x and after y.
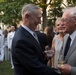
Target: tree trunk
x: 44, y: 15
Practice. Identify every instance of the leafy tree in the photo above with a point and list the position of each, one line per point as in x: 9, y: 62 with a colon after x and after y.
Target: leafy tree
x: 1, y: 0
x: 12, y: 11
x: 55, y: 11
x: 71, y: 2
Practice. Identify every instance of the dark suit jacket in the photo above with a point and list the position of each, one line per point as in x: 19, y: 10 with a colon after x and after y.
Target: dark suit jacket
x: 43, y: 40
x: 28, y: 56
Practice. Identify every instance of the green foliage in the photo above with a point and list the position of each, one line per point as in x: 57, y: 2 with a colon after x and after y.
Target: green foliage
x: 1, y: 0
x: 12, y: 10
x: 71, y: 2
x: 55, y: 11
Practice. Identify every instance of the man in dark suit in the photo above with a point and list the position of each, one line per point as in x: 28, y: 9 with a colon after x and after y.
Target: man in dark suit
x: 28, y: 57
x: 69, y: 26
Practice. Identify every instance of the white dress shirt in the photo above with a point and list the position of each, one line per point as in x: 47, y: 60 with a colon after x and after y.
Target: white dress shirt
x: 32, y: 32
x: 72, y: 36
x: 10, y: 38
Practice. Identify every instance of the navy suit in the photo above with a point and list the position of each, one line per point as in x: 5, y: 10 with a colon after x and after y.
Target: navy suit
x: 28, y: 56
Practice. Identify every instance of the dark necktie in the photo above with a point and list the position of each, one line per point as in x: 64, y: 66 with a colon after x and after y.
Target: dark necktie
x: 67, y: 46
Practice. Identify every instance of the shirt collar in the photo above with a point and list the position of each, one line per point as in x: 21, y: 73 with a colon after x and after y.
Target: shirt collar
x: 25, y: 27
x: 73, y: 35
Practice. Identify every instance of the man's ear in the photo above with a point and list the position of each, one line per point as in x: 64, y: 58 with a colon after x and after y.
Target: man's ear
x: 27, y: 15
x: 75, y: 21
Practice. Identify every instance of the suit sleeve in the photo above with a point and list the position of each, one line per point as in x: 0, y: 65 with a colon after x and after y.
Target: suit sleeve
x: 73, y: 71
x: 28, y: 58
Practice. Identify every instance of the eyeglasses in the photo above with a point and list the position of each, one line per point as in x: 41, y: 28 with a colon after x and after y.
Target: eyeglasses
x: 64, y: 19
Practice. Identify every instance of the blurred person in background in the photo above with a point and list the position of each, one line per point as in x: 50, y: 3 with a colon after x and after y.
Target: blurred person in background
x: 9, y: 42
x: 1, y: 46
x: 49, y: 33
x: 6, y: 51
x: 55, y: 30
x: 57, y: 41
x: 43, y: 40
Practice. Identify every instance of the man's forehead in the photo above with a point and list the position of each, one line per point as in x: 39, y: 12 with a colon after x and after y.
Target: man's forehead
x: 65, y: 15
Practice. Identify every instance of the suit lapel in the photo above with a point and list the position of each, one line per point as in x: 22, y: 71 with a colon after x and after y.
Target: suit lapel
x: 64, y: 41
x: 71, y: 49
x: 34, y: 41
x: 31, y: 38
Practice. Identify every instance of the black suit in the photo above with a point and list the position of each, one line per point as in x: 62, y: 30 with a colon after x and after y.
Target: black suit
x: 43, y: 40
x: 28, y: 56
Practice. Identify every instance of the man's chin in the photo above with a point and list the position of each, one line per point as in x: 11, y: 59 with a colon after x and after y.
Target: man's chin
x: 65, y: 32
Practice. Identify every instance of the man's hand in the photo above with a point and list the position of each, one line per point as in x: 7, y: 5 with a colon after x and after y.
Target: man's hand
x: 49, y: 53
x: 65, y: 69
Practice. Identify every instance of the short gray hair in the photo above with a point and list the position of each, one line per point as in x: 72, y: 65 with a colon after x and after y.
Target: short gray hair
x: 30, y: 8
x: 71, y: 11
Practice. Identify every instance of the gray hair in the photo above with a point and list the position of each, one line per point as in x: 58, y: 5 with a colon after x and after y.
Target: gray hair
x: 30, y: 8
x: 71, y: 11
